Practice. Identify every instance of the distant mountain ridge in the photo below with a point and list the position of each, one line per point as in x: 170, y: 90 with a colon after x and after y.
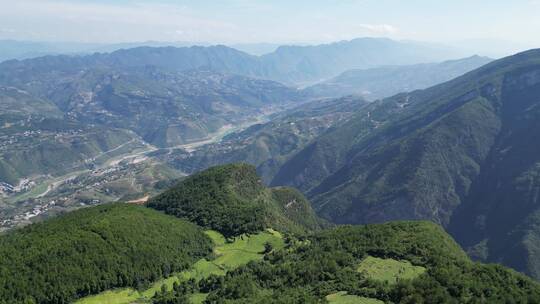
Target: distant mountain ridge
x: 384, y: 82
x: 288, y: 64
x: 172, y: 96
x: 309, y: 64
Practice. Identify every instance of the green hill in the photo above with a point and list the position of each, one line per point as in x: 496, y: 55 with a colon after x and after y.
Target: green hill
x: 326, y: 266
x: 464, y: 154
x: 232, y: 200
x: 94, y: 249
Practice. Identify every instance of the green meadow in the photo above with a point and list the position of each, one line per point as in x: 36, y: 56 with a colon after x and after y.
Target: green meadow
x: 389, y: 270
x: 343, y: 298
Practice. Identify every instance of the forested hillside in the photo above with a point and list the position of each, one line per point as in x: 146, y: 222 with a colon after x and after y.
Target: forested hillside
x: 95, y: 249
x: 232, y: 200
x: 463, y: 154
x: 333, y: 263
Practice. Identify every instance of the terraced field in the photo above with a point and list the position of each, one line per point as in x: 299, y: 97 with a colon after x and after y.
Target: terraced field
x: 229, y: 255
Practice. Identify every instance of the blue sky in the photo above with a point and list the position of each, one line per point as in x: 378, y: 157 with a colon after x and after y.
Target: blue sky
x: 279, y: 21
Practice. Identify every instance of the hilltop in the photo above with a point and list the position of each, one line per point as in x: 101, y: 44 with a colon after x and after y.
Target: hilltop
x: 233, y: 200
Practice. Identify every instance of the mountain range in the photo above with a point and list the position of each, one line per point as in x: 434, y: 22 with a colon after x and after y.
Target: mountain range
x: 377, y: 83
x: 295, y: 65
x: 463, y: 154
x: 105, y: 104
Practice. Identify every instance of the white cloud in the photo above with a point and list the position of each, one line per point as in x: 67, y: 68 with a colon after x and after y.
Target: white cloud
x: 280, y: 21
x: 8, y: 30
x: 107, y: 23
x: 226, y: 22
x: 380, y: 29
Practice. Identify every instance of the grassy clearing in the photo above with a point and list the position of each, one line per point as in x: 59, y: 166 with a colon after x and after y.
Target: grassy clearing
x: 343, y: 298
x: 389, y: 270
x: 198, y: 298
x: 119, y: 296
x: 245, y: 249
x: 217, y: 238
x: 229, y: 255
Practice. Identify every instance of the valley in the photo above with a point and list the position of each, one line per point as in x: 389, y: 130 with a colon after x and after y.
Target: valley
x: 124, y: 172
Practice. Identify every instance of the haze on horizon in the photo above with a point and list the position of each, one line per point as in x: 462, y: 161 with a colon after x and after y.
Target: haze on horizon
x: 477, y: 24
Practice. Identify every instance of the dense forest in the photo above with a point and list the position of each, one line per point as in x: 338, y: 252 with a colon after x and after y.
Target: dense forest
x: 308, y: 271
x: 94, y: 249
x: 232, y: 200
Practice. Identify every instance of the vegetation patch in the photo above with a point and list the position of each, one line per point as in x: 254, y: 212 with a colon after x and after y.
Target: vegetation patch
x: 389, y: 270
x: 307, y: 272
x: 229, y: 255
x: 343, y: 298
x: 117, y: 296
x: 245, y: 249
x: 198, y: 298
x: 95, y: 249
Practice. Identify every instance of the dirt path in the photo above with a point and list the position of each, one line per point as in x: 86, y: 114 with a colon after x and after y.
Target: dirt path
x: 139, y: 201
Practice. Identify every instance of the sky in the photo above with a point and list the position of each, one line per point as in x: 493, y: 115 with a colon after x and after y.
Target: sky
x: 272, y: 21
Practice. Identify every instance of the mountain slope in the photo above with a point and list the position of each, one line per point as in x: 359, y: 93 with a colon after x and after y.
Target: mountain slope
x: 232, y: 200
x: 384, y: 82
x: 95, y: 249
x: 330, y: 263
x: 310, y: 64
x: 268, y: 145
x: 469, y: 143
x: 165, y: 105
x: 37, y: 139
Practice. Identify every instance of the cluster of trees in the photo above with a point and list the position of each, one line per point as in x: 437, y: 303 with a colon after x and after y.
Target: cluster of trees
x: 95, y: 249
x: 308, y: 271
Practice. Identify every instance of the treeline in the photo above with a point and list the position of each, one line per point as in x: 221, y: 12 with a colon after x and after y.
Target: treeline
x: 325, y: 264
x: 95, y: 249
